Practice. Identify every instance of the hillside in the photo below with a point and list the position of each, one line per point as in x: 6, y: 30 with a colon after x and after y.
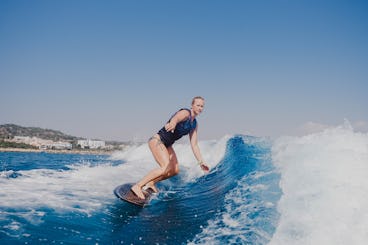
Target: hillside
x: 8, y: 131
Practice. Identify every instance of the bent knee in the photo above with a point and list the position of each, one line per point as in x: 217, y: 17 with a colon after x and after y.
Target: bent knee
x: 171, y: 172
x: 176, y: 170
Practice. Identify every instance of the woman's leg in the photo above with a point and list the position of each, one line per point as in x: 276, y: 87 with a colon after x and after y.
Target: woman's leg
x: 166, y: 158
x: 172, y: 169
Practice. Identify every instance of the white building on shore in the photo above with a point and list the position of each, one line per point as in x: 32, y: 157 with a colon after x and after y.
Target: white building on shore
x: 91, y: 144
x: 42, y: 143
x: 60, y: 145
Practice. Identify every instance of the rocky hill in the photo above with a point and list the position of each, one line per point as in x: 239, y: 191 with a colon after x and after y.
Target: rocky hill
x: 8, y: 131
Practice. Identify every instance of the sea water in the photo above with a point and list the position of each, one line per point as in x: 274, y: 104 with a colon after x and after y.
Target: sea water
x: 291, y: 190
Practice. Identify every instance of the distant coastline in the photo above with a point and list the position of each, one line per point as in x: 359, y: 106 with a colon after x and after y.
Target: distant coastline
x: 15, y: 138
x: 86, y: 152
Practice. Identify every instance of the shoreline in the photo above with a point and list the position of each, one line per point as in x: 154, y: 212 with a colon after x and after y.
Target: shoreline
x: 82, y: 152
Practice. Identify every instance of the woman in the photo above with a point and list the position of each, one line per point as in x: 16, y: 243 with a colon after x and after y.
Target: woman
x: 181, y: 123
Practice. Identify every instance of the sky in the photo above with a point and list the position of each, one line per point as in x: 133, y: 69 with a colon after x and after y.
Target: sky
x: 117, y: 70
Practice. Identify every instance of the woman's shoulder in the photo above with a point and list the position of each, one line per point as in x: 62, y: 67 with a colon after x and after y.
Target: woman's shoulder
x: 184, y: 112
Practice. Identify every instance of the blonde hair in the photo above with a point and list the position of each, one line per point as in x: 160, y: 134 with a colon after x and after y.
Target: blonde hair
x: 197, y: 97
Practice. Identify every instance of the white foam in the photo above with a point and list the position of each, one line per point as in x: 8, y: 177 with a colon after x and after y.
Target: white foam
x: 325, y: 187
x: 80, y: 189
x: 212, y: 152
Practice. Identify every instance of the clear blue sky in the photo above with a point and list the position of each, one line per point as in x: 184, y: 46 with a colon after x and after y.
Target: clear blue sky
x: 119, y: 69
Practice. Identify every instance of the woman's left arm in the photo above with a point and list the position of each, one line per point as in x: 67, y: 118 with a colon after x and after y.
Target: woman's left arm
x: 196, y: 151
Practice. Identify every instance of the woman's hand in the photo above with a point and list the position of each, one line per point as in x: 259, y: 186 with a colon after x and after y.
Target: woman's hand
x: 170, y: 126
x: 204, y: 167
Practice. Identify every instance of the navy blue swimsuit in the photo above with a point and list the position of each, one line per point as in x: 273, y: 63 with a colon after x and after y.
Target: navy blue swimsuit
x: 181, y: 129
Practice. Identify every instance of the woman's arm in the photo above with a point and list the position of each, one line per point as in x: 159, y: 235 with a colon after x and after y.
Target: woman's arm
x: 178, y: 117
x: 196, y: 151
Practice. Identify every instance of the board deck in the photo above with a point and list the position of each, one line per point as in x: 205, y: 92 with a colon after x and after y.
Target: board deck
x: 124, y: 193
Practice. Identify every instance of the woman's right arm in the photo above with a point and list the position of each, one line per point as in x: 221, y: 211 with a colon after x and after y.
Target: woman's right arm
x: 178, y: 117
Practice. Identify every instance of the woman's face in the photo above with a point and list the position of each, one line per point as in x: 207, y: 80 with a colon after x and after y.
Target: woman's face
x: 198, y: 106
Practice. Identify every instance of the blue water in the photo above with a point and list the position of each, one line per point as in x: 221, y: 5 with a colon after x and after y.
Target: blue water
x: 68, y: 199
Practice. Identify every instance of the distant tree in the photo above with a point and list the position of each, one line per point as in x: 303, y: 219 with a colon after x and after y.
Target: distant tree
x: 6, y: 144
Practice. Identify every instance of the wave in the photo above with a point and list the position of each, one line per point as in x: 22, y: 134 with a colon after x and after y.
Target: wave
x: 250, y: 192
x: 235, y: 202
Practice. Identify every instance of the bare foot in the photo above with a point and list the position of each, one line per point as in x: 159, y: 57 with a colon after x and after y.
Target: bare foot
x: 152, y: 187
x: 138, y: 191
